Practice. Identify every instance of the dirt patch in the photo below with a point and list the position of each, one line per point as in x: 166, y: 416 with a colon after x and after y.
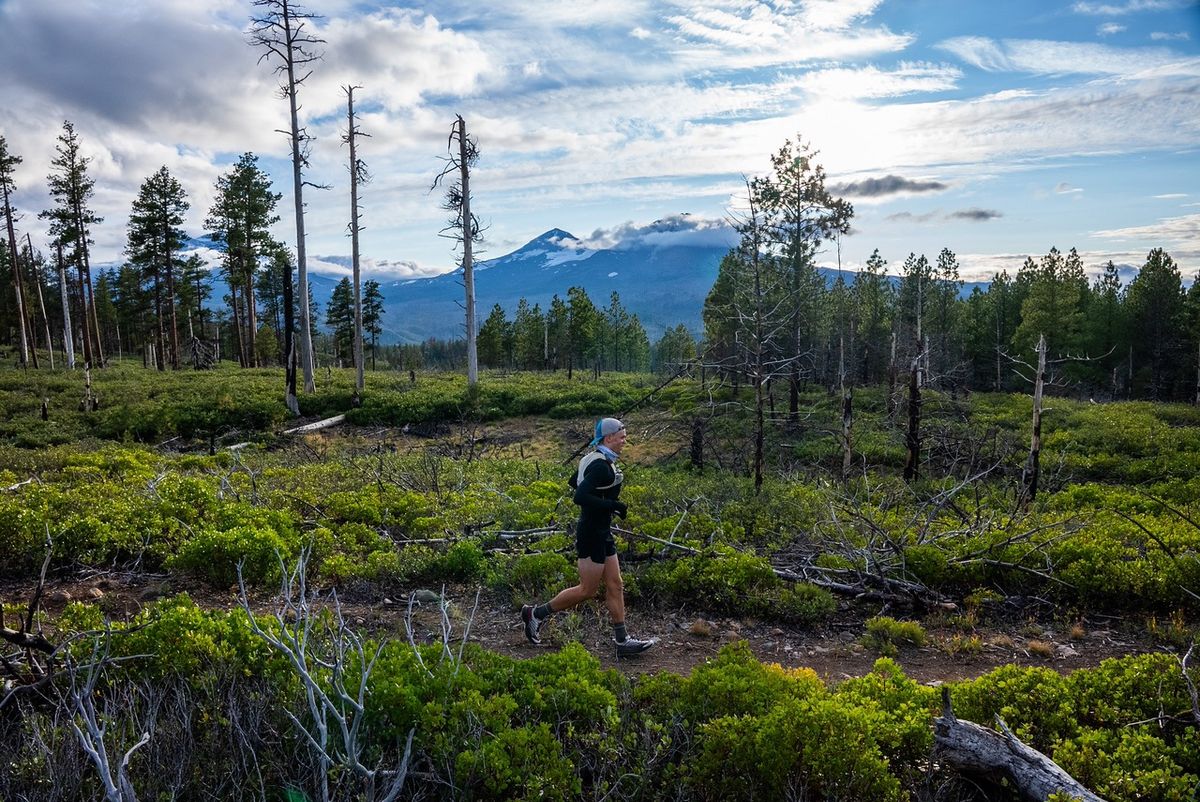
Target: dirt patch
x: 685, y: 638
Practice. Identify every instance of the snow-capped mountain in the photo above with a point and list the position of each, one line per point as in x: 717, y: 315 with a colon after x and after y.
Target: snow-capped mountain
x: 663, y: 284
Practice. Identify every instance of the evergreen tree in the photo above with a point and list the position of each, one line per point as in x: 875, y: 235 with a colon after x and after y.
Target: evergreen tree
x: 584, y: 323
x: 372, y: 314
x: 339, y: 317
x: 1054, y: 304
x: 154, y: 236
x: 528, y: 336
x: 8, y: 164
x: 1106, y: 335
x: 557, y: 335
x: 70, y: 224
x: 874, y: 298
x: 241, y: 217
x: 494, y: 338
x: 676, y: 347
x: 1155, y: 302
x: 799, y: 215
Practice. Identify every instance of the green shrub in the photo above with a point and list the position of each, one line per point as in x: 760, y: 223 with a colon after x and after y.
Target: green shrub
x: 885, y: 634
x: 804, y: 603
x: 538, y: 576
x: 215, y: 554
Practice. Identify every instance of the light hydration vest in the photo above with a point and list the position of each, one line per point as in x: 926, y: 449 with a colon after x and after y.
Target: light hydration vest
x: 586, y: 462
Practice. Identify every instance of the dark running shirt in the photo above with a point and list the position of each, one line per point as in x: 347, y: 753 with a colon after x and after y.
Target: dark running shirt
x: 598, y: 484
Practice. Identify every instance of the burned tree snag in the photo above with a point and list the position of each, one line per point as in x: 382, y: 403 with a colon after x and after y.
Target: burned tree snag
x: 912, y: 437
x: 1032, y: 471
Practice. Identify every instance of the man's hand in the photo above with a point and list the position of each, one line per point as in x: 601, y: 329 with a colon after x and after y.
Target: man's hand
x: 620, y: 508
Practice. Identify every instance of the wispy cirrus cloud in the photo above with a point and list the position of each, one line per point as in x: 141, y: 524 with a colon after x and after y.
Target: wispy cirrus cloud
x: 1063, y: 188
x: 1049, y: 57
x: 1110, y: 29
x: 1163, y: 36
x: 847, y: 83
x: 1183, y: 230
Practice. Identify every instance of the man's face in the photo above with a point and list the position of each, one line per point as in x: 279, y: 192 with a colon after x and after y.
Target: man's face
x: 616, y: 442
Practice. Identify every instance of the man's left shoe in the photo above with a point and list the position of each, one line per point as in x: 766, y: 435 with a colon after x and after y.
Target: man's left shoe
x: 631, y: 647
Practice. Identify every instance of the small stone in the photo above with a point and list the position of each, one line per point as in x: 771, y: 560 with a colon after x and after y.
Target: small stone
x: 95, y: 593
x: 777, y: 633
x: 1064, y: 651
x: 700, y: 628
x: 60, y: 596
x: 820, y: 650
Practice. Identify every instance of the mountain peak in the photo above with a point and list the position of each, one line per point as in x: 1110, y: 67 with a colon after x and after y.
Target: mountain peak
x: 551, y: 237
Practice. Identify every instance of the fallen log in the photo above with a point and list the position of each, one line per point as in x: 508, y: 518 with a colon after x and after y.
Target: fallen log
x: 977, y: 750
x: 312, y: 427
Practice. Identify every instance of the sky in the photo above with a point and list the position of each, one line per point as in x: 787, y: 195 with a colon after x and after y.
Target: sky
x: 995, y: 129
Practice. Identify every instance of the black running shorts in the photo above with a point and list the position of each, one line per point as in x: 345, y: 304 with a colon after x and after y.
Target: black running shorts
x: 596, y: 548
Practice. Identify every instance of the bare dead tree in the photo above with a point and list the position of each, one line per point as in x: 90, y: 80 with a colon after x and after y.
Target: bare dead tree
x: 68, y: 333
x: 7, y: 164
x: 463, y: 226
x: 37, y: 282
x: 91, y: 725
x: 358, y: 175
x: 281, y: 29
x: 334, y: 664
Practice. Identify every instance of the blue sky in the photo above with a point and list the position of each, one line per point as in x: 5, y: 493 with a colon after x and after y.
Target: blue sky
x: 998, y: 130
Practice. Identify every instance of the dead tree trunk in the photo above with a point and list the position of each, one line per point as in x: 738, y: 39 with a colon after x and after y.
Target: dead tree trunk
x: 1032, y: 472
x: 68, y: 334
x: 357, y: 174
x: 999, y: 756
x: 468, y: 266
x: 847, y: 413
x: 37, y: 282
x: 912, y: 437
x: 16, y: 272
x: 891, y: 381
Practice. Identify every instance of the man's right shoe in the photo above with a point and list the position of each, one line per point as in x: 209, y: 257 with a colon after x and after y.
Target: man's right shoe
x: 632, y: 646
x: 533, y: 624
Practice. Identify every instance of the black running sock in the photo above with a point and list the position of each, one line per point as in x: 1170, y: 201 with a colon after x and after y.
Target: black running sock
x: 542, y: 611
x: 619, y: 633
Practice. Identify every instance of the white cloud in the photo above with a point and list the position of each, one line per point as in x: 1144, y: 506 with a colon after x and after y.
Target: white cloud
x: 738, y: 34
x: 1128, y: 7
x: 1063, y: 188
x: 681, y: 229
x: 1109, y: 29
x: 1184, y: 230
x: 640, y: 33
x: 1171, y: 195
x: 1177, y: 36
x: 1046, y: 57
x: 871, y: 82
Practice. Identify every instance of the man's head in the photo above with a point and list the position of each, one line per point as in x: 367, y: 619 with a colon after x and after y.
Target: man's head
x: 610, y: 433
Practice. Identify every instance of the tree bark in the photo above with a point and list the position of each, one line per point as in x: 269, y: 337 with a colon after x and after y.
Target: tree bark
x: 1032, y: 472
x: 1000, y: 756
x: 912, y: 437
x: 15, y: 259
x: 68, y: 333
x: 37, y: 282
x: 351, y: 136
x: 468, y: 266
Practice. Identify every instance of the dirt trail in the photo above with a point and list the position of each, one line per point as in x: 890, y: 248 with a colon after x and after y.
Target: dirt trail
x: 685, y: 638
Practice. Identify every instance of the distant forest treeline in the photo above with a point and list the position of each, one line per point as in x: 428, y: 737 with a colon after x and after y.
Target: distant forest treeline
x: 770, y: 315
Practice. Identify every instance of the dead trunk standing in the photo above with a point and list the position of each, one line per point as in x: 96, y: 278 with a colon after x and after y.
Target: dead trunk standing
x: 159, y: 335
x: 847, y: 410
x: 468, y: 233
x: 307, y: 363
x: 29, y: 322
x: 351, y: 137
x: 37, y: 282
x: 237, y: 322
x: 168, y: 265
x: 1032, y: 472
x: 85, y: 272
x: 90, y: 402
x: 891, y: 379
x: 14, y: 258
x: 697, y: 449
x: 1198, y: 375
x: 1000, y: 757
x: 68, y: 334
x: 248, y: 265
x: 912, y: 437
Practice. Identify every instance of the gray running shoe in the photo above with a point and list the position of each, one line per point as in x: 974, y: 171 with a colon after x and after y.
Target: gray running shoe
x: 533, y: 624
x: 632, y: 646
